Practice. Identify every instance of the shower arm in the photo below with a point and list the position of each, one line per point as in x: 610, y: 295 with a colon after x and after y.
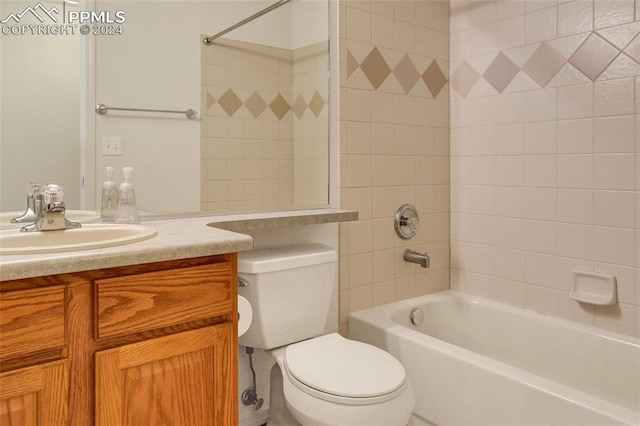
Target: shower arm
x: 209, y: 40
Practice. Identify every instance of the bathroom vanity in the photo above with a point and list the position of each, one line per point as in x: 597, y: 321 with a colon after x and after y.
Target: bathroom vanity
x: 148, y: 344
x: 138, y: 334
x: 133, y: 335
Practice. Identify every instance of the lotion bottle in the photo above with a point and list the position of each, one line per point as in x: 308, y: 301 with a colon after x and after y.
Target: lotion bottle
x: 109, y: 197
x: 127, y: 212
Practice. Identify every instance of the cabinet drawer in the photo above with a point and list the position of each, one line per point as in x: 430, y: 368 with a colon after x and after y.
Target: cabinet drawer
x: 145, y: 302
x: 32, y: 321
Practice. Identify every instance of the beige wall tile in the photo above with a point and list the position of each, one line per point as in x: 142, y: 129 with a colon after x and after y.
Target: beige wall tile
x: 608, y: 14
x: 359, y: 137
x: 614, y: 245
x: 575, y: 241
x: 383, y: 234
x: 575, y: 206
x: 384, y: 265
x: 575, y: 136
x: 358, y: 105
x: 383, y: 138
x: 614, y: 134
x: 360, y: 237
x: 398, y: 115
x: 382, y: 31
x: 360, y: 298
x: 614, y: 171
x: 358, y: 24
x: 540, y: 25
x: 360, y: 199
x: 384, y: 202
x: 383, y: 170
x: 383, y: 293
x: 614, y: 97
x: 360, y: 269
x: 359, y: 171
x: 575, y: 17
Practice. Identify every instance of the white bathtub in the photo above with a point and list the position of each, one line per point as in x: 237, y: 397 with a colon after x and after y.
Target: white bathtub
x: 478, y: 362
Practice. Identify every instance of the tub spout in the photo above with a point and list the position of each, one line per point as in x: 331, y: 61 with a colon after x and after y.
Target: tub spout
x: 421, y: 259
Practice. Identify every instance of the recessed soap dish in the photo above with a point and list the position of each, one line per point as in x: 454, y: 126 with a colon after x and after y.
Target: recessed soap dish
x: 594, y: 288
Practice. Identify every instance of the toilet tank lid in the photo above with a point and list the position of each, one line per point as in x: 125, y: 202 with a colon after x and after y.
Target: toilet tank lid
x: 282, y: 258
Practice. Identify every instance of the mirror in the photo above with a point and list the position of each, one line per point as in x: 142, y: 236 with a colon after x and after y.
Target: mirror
x: 39, y: 107
x: 263, y: 146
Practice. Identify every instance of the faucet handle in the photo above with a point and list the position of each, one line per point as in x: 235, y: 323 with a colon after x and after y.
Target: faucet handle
x: 34, y: 204
x: 406, y: 221
x: 53, y: 193
x: 34, y: 188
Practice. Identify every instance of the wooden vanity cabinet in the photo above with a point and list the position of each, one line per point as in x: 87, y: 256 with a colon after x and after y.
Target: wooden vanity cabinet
x: 152, y: 344
x: 35, y: 395
x: 34, y: 382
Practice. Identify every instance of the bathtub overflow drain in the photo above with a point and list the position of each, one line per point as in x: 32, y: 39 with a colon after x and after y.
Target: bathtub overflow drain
x: 417, y: 316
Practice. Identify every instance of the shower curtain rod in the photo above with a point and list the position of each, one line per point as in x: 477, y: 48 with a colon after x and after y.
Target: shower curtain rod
x: 209, y: 40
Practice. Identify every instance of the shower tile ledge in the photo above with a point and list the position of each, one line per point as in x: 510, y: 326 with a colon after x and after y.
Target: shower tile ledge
x: 253, y: 221
x: 177, y: 238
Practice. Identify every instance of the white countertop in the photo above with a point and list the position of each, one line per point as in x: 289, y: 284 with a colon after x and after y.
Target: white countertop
x: 177, y: 238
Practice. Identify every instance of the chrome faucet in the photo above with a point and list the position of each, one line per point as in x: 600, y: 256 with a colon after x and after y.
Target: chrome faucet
x: 52, y: 214
x: 35, y: 201
x: 421, y: 259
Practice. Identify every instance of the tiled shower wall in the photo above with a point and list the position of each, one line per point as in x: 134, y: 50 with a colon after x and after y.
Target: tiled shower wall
x: 264, y: 133
x: 310, y: 125
x: 545, y: 97
x: 394, y: 118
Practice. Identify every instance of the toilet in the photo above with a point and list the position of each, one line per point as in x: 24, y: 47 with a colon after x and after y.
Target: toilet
x: 326, y: 379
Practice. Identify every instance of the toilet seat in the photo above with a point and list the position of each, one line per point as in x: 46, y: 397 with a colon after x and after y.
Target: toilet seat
x: 344, y: 371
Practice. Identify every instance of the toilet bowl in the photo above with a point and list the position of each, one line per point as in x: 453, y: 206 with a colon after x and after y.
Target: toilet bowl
x: 326, y: 378
x: 331, y: 381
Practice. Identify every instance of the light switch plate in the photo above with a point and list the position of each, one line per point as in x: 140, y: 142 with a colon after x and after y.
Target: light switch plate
x: 111, y: 145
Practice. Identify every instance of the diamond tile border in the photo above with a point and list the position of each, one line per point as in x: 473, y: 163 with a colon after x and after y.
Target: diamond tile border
x: 593, y: 55
x: 464, y: 78
x: 272, y: 96
x: 375, y: 68
x: 230, y: 102
x: 256, y: 104
x: 500, y: 72
x: 544, y: 64
x: 434, y: 78
x: 406, y: 72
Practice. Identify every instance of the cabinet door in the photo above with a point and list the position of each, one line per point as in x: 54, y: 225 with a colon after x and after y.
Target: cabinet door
x: 185, y: 379
x: 35, y: 395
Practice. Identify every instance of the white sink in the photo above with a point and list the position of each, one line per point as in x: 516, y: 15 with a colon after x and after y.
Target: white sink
x: 90, y: 236
x: 72, y: 215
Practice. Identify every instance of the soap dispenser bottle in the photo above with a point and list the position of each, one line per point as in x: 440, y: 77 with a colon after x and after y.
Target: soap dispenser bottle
x: 127, y: 212
x: 109, y: 197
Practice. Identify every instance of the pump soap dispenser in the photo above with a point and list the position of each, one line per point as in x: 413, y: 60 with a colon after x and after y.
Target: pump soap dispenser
x: 127, y: 212
x: 109, y: 197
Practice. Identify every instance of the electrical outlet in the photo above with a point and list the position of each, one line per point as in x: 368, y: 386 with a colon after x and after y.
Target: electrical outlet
x: 111, y: 145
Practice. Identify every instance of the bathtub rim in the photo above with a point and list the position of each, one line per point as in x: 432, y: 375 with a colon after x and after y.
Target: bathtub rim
x: 391, y: 309
x: 380, y: 318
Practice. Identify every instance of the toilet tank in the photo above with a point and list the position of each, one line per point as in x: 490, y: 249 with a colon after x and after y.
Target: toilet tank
x: 289, y: 291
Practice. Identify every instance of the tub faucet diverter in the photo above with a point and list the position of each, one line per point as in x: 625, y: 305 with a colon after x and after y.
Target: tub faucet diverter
x: 406, y: 224
x: 421, y: 259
